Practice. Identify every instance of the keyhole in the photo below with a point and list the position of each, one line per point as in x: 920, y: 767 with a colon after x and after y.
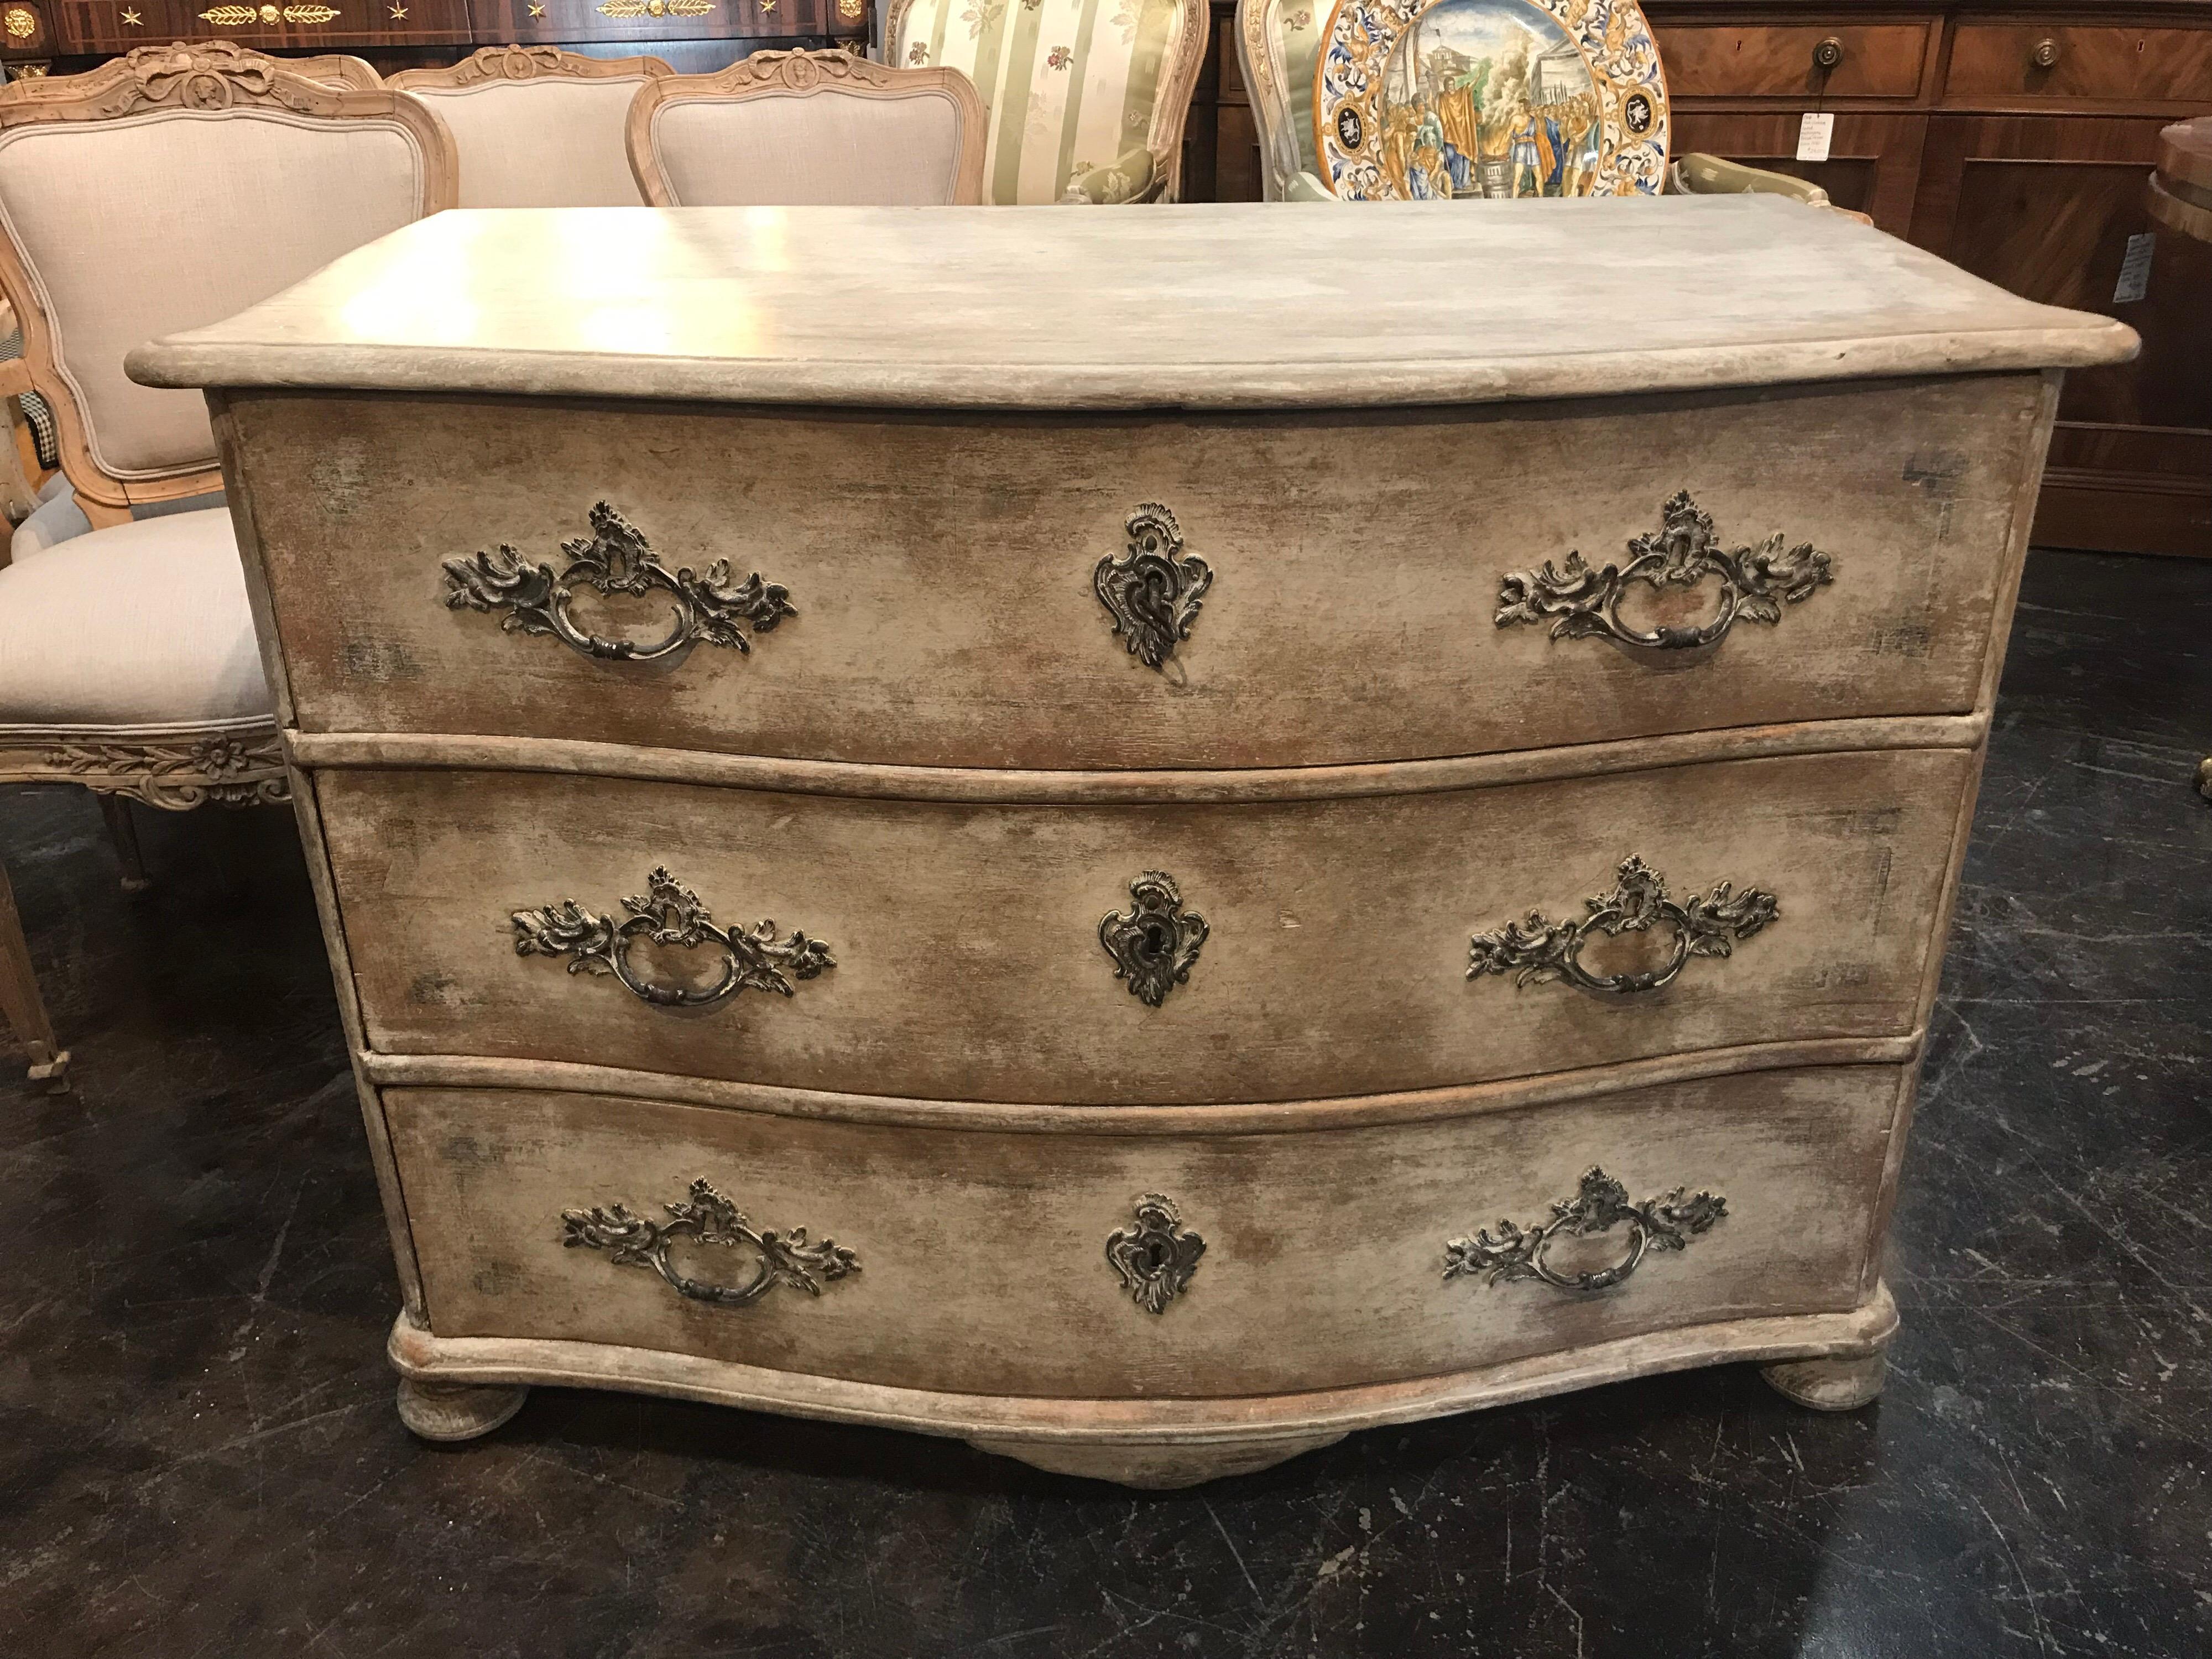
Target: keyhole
x: 1153, y: 942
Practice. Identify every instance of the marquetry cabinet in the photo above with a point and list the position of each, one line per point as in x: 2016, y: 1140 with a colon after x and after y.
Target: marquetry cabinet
x: 1145, y: 895
x: 2013, y: 139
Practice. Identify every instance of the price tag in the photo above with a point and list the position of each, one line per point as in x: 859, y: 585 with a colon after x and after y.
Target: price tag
x: 2135, y: 270
x: 1813, y: 134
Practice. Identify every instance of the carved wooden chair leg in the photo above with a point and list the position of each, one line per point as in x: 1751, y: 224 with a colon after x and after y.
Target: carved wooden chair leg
x: 123, y: 831
x: 19, y: 1001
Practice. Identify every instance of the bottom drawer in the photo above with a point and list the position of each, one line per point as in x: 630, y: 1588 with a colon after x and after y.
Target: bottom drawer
x: 998, y: 1260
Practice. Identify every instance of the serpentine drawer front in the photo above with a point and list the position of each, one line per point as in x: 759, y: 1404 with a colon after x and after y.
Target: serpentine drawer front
x: 1224, y: 592
x: 1290, y: 950
x: 975, y: 1261
x: 1269, y: 841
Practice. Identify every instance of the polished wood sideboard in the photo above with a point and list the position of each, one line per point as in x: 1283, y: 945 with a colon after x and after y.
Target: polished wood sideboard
x: 2014, y: 139
x: 66, y: 35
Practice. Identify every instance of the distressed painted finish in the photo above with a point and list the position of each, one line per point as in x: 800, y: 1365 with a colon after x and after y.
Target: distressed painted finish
x: 942, y: 571
x: 1338, y: 1234
x: 1213, y: 306
x: 966, y: 937
x: 946, y: 769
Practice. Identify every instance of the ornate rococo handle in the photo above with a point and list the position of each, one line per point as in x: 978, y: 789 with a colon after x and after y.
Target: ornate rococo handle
x: 710, y: 1218
x: 1756, y: 582
x: 616, y: 558
x: 1708, y: 925
x: 669, y: 914
x: 1152, y: 588
x: 1600, y: 1204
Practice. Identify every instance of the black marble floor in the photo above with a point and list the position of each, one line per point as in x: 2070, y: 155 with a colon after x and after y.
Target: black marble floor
x: 198, y: 1454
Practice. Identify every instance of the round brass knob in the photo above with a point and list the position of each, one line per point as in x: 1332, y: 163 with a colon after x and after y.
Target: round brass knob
x: 2045, y: 54
x: 1828, y: 54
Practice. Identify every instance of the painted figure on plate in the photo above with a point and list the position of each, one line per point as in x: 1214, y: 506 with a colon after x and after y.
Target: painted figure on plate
x: 1489, y: 98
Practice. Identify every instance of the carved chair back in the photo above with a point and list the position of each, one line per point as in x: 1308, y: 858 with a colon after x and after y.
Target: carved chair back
x: 1083, y: 99
x: 333, y: 68
x: 815, y: 128
x: 165, y: 197
x: 536, y: 126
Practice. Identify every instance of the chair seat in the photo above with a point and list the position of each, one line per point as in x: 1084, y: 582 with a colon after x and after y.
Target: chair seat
x: 143, y: 623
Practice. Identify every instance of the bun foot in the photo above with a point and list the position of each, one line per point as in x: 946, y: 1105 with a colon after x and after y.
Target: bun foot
x: 1830, y: 1385
x: 1157, y: 1466
x: 457, y: 1411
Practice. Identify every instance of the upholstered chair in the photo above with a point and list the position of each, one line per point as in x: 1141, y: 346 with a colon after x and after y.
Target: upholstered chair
x: 536, y: 126
x: 811, y: 129
x: 56, y: 515
x: 165, y: 197
x: 1279, y: 45
x: 1087, y: 98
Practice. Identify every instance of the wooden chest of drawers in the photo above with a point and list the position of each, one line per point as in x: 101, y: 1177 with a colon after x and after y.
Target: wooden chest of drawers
x: 1339, y: 848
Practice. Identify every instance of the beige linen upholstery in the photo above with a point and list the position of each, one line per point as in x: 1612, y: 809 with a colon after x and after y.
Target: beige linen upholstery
x: 146, y: 623
x: 815, y: 128
x: 177, y: 195
x: 535, y: 127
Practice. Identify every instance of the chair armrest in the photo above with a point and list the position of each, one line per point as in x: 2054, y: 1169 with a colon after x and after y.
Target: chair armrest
x: 1709, y: 175
x: 15, y: 378
x: 1306, y: 187
x: 1129, y: 179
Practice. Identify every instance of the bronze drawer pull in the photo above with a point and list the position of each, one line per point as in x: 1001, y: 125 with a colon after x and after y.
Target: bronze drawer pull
x: 1539, y: 948
x: 1157, y: 1256
x: 1600, y: 1204
x: 1155, y: 941
x: 668, y: 914
x: 711, y: 1218
x: 1827, y: 55
x: 1152, y: 589
x: 616, y: 558
x: 1756, y: 582
x: 2045, y: 55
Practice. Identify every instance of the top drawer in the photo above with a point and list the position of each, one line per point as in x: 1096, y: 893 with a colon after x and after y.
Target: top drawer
x: 2033, y: 60
x: 1724, y: 61
x: 1342, y: 576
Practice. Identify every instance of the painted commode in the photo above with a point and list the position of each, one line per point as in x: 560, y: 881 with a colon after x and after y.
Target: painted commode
x: 1147, y: 838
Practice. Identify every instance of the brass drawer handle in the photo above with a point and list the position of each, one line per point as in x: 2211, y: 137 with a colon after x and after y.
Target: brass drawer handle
x: 2045, y: 55
x: 616, y: 559
x: 668, y: 914
x: 710, y: 1218
x: 1827, y: 55
x: 1154, y: 942
x: 1152, y: 588
x: 1755, y: 583
x: 1600, y: 1204
x: 1539, y: 948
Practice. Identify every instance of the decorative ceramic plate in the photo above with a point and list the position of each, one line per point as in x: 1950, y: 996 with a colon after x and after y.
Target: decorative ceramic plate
x: 1452, y: 100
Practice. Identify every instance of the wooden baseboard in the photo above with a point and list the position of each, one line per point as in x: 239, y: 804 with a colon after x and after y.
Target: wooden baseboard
x: 2125, y: 513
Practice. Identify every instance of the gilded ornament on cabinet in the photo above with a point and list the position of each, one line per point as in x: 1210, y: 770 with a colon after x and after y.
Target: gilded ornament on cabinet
x: 232, y: 18
x: 1157, y: 1256
x: 708, y: 1218
x: 1755, y: 583
x: 132, y: 18
x: 1600, y: 1204
x: 1155, y: 941
x: 668, y: 915
x: 21, y: 21
x: 852, y: 9
x: 655, y: 7
x: 1540, y: 950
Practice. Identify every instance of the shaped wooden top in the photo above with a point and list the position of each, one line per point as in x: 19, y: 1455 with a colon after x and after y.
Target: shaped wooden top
x: 1213, y: 306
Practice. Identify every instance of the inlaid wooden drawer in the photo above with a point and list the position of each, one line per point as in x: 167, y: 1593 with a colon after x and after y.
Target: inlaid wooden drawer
x: 1354, y: 587
x: 973, y: 962
x: 1848, y: 60
x: 2139, y: 66
x: 979, y: 1259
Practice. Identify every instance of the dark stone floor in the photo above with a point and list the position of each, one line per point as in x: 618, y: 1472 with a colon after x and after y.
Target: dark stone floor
x: 198, y: 1453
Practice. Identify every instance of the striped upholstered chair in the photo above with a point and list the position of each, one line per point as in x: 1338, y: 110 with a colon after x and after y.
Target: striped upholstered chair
x: 1086, y: 97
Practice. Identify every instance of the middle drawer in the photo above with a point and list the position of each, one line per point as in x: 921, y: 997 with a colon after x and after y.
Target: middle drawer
x: 990, y: 952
